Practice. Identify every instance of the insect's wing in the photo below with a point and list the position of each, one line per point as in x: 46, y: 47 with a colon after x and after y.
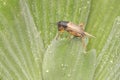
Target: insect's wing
x: 78, y: 29
x: 75, y: 28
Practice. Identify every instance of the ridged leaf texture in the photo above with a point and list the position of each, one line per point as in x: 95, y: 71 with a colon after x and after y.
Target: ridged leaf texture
x: 29, y: 49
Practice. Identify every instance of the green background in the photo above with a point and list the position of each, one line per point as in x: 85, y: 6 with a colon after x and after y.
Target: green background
x: 29, y: 50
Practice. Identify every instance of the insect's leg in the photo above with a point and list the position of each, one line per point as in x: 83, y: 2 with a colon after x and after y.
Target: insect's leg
x: 83, y: 43
x: 58, y: 35
x: 69, y: 36
x: 81, y: 25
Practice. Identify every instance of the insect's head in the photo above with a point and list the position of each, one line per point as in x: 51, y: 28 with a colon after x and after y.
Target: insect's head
x: 62, y: 25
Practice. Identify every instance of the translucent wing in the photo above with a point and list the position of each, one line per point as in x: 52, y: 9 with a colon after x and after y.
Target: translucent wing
x: 78, y: 29
x: 75, y: 28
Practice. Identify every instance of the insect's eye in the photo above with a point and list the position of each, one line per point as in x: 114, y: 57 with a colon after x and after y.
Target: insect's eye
x: 62, y: 23
x: 59, y: 23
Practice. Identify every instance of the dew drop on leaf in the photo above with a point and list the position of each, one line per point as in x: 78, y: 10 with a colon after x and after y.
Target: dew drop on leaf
x: 111, y: 61
x: 47, y: 70
x: 69, y: 75
x: 64, y: 66
x: 88, y: 2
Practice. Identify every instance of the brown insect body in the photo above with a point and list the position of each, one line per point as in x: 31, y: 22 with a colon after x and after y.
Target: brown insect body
x: 76, y: 30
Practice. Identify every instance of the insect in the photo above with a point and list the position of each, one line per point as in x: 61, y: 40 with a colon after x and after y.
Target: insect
x: 75, y: 30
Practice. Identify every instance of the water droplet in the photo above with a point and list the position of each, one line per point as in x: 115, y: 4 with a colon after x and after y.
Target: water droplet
x: 85, y: 7
x: 88, y: 2
x: 47, y: 71
x: 4, y: 3
x: 111, y: 61
x: 69, y: 75
x: 64, y: 66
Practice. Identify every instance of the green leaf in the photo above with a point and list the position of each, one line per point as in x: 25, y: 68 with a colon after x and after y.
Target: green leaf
x: 66, y: 60
x: 29, y: 51
x: 109, y: 58
x: 101, y: 19
x: 21, y: 47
